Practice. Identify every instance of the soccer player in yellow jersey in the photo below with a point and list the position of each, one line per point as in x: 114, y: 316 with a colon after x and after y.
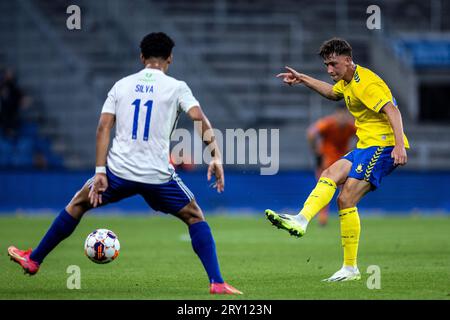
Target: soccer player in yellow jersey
x: 381, y: 148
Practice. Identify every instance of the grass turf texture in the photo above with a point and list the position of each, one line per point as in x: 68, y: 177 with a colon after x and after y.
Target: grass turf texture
x: 157, y: 261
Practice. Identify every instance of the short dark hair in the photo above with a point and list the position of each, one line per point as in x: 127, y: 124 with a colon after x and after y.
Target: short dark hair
x: 157, y: 45
x: 336, y: 46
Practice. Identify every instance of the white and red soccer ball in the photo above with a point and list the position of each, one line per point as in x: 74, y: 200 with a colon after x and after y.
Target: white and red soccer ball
x: 102, y: 246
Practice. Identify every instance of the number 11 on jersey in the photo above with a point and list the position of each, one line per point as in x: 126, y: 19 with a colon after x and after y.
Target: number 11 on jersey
x: 149, y: 105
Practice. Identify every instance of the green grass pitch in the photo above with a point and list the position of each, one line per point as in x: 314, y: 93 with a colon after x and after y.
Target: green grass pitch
x: 157, y: 261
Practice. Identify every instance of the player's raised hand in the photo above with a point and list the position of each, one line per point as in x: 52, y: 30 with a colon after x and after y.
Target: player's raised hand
x: 290, y: 77
x: 399, y: 155
x: 216, y: 168
x: 98, y: 187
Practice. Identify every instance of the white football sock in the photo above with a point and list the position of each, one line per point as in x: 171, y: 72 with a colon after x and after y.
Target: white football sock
x: 351, y: 268
x: 302, y: 220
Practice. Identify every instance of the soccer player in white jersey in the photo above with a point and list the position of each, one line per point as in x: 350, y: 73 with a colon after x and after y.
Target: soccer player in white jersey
x: 144, y: 107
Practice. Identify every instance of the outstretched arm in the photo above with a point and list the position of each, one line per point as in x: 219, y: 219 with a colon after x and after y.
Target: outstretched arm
x: 207, y: 135
x: 395, y: 119
x: 292, y: 77
x: 100, y: 184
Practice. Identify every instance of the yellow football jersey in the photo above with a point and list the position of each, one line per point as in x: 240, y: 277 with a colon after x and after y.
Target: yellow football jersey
x: 364, y: 96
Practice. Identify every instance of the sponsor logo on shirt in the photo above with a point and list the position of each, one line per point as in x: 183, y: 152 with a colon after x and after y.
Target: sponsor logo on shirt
x: 148, y: 78
x: 378, y: 103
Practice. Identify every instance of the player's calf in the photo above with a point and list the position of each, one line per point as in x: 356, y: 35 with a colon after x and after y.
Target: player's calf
x: 191, y: 213
x: 352, y: 193
x: 345, y: 200
x: 204, y: 246
x: 61, y: 228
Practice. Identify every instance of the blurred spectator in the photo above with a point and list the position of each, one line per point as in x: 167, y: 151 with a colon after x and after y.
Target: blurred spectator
x: 330, y: 139
x: 21, y: 146
x: 11, y: 99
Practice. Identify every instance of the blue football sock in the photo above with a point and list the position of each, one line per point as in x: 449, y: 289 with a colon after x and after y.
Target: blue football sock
x: 204, y: 246
x: 62, y: 227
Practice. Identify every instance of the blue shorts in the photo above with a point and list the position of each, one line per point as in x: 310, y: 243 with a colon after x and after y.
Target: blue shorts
x: 371, y: 164
x: 169, y: 197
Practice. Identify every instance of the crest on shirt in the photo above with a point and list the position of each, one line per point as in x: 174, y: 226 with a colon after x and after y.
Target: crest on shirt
x: 359, y: 168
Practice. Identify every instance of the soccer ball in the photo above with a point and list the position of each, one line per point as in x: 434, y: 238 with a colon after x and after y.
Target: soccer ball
x: 102, y: 246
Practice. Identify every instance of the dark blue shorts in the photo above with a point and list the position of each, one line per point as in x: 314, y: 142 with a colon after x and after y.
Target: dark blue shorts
x: 169, y: 197
x: 371, y: 164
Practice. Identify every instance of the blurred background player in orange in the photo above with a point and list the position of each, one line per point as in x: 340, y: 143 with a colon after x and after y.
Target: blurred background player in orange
x: 330, y: 138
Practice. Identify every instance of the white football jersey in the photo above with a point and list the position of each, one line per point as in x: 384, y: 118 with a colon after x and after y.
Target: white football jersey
x: 146, y: 105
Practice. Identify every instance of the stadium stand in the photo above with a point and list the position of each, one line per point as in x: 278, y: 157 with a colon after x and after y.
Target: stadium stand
x: 229, y: 53
x: 21, y: 144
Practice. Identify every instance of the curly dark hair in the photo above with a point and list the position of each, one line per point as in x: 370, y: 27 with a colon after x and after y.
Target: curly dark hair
x: 157, y: 45
x: 336, y: 46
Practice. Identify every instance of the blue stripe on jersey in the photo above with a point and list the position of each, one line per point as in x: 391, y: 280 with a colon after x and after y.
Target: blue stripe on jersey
x: 149, y: 105
x: 136, y: 104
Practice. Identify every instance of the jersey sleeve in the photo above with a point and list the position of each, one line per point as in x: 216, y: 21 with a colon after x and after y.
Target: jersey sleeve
x: 338, y: 90
x: 110, y: 103
x: 186, y: 99
x: 374, y: 97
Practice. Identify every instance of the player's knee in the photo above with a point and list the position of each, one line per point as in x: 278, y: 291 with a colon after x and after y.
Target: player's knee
x: 194, y: 216
x: 331, y: 174
x: 345, y: 200
x: 79, y: 204
x: 191, y: 214
x: 195, y: 219
x: 81, y: 200
x: 327, y: 173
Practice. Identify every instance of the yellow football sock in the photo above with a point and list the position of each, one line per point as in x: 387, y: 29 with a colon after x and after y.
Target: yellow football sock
x: 319, y: 197
x: 350, y: 231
